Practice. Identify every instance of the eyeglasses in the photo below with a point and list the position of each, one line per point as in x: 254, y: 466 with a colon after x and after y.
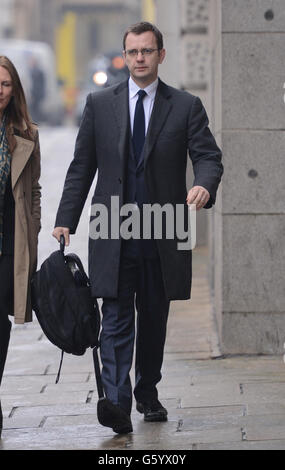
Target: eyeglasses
x: 135, y: 52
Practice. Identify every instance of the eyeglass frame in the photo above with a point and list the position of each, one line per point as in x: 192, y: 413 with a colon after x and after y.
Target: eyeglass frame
x: 145, y: 51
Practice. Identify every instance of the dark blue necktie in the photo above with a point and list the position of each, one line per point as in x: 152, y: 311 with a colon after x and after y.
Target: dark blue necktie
x: 139, y: 126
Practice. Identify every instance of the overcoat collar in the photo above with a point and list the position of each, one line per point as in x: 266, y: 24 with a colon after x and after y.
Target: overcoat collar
x: 161, y: 108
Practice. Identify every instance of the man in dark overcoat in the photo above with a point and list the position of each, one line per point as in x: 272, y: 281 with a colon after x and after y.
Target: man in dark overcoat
x: 136, y: 136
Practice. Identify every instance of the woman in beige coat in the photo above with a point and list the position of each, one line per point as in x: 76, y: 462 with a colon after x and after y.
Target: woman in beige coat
x: 19, y: 205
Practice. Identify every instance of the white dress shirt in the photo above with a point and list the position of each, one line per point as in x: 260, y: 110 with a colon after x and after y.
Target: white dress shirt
x: 148, y: 100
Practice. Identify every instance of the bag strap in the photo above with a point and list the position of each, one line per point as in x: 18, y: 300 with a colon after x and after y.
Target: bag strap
x: 58, y: 374
x: 75, y: 258
x: 98, y: 373
x: 62, y: 243
x: 96, y: 368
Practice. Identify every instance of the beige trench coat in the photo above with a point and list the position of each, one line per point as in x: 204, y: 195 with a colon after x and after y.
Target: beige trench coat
x: 25, y: 174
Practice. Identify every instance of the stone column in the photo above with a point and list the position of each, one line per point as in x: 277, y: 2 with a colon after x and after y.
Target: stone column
x: 185, y: 26
x: 249, y: 224
x: 167, y: 19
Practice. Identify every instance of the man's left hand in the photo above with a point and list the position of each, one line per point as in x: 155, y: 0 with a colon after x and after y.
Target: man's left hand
x: 199, y: 196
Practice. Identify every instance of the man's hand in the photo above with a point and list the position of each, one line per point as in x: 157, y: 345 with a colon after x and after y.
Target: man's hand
x: 199, y: 196
x: 58, y: 231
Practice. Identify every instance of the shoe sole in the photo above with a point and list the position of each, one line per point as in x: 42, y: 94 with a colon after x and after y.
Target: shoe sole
x: 155, y: 417
x: 124, y: 430
x: 118, y: 430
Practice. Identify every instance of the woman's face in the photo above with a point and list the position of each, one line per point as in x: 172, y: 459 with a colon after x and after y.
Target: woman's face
x: 6, y: 89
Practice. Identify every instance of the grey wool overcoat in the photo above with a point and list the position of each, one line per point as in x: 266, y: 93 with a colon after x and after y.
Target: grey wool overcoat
x: 178, y: 126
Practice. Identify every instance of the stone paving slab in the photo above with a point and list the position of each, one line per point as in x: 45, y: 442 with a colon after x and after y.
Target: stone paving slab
x: 240, y: 369
x: 20, y: 423
x: 68, y: 387
x: 209, y: 435
x: 211, y: 417
x: 18, y: 381
x: 262, y: 428
x: 36, y: 399
x: 212, y: 394
x: 264, y: 392
x: 28, y: 412
x: 27, y: 384
x: 265, y: 409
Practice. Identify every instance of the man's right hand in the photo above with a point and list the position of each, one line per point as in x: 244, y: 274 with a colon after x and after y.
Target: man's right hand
x: 58, y: 231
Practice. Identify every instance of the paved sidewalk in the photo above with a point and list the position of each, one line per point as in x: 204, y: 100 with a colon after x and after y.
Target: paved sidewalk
x: 230, y: 403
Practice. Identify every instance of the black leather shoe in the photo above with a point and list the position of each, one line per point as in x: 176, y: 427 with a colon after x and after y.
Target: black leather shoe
x: 114, y: 417
x: 153, y: 411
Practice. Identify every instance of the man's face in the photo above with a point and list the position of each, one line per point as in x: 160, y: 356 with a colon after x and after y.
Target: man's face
x: 143, y: 68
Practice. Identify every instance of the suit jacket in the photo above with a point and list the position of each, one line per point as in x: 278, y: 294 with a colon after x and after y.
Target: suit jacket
x: 178, y: 123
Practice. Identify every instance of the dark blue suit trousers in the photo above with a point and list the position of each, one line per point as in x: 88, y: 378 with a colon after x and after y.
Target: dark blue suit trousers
x: 140, y: 285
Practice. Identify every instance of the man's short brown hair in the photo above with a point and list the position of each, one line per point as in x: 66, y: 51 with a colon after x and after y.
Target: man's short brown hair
x: 143, y: 27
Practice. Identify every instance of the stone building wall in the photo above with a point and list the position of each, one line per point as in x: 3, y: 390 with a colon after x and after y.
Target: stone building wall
x: 249, y: 227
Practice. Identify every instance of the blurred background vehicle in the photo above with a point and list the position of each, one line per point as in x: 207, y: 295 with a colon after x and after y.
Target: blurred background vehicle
x: 102, y: 71
x: 35, y: 63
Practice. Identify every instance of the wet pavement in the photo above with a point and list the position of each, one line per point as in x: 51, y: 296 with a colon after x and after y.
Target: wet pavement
x: 213, y: 402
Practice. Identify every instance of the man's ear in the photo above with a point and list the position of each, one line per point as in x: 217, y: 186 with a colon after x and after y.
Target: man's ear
x: 162, y: 54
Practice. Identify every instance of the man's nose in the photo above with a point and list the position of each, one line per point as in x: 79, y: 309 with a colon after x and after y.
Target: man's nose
x: 140, y: 56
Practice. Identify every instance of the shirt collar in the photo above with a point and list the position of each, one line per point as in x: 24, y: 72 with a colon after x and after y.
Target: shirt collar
x: 150, y: 89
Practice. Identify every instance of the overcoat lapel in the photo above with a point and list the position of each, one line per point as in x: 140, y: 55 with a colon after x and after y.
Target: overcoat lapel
x: 20, y: 157
x: 122, y: 116
x: 161, y: 109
